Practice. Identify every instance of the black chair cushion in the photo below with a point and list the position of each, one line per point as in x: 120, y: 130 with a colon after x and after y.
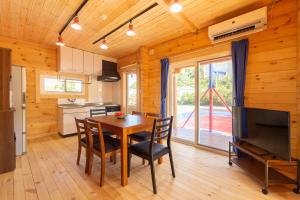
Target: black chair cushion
x: 95, y: 139
x: 142, y: 149
x: 141, y: 136
x: 111, y: 144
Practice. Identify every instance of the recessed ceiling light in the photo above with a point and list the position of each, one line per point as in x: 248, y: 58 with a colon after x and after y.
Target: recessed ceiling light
x: 176, y: 7
x: 103, y: 17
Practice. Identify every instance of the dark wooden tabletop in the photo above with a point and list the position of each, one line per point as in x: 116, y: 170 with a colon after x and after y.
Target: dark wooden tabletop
x: 129, y: 121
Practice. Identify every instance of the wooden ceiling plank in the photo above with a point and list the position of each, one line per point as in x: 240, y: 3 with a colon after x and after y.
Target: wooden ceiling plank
x: 181, y: 17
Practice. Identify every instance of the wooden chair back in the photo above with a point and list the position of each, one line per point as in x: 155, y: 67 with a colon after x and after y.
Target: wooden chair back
x: 138, y: 113
x: 98, y: 112
x: 162, y: 128
x: 81, y: 128
x: 93, y: 128
x: 153, y: 115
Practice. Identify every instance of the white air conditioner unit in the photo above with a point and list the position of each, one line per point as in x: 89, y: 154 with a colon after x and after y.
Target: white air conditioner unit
x: 242, y: 25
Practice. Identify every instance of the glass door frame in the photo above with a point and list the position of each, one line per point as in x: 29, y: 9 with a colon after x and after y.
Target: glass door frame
x: 124, y: 93
x: 171, y: 97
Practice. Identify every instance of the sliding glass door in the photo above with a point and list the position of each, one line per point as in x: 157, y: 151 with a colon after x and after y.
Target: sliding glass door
x: 184, y: 103
x: 215, y: 101
x: 201, y: 103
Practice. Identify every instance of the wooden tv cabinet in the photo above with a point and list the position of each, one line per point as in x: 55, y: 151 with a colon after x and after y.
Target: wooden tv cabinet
x: 261, y: 165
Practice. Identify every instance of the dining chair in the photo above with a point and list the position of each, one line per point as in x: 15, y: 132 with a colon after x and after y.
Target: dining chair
x: 152, y: 150
x: 106, y: 146
x: 143, y: 135
x: 98, y: 112
x: 82, y: 141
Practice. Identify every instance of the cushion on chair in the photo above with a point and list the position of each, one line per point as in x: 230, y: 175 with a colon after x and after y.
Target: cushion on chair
x: 111, y: 144
x: 141, y: 136
x: 95, y: 139
x: 142, y: 148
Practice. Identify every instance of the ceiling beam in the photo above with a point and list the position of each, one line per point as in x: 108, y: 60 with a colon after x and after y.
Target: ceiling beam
x: 181, y: 17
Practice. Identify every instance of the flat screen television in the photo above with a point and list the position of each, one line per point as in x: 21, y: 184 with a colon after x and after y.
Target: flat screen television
x: 267, y: 129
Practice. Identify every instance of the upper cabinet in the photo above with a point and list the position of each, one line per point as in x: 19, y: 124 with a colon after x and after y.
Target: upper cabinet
x: 88, y: 62
x: 65, y: 59
x: 97, y: 64
x: 76, y: 61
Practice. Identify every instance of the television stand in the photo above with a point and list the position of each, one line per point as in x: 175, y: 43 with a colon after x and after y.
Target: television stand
x: 262, y: 166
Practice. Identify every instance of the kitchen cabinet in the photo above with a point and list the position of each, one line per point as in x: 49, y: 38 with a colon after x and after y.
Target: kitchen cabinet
x: 88, y: 63
x: 97, y: 64
x: 66, y: 119
x: 65, y: 59
x: 77, y: 61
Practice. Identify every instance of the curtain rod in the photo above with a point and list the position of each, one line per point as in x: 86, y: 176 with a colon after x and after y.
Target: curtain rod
x: 126, y: 22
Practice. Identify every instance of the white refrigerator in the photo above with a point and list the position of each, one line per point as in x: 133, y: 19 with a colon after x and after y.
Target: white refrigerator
x: 18, y: 102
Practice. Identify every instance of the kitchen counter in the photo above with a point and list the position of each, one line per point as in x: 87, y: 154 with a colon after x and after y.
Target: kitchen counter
x: 72, y: 106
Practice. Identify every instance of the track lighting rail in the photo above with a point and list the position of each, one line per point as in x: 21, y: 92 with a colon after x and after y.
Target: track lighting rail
x: 72, y: 17
x: 126, y: 22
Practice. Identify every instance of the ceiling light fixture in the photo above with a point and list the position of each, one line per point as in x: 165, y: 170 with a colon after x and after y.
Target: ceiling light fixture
x: 75, y: 24
x: 130, y: 31
x: 103, y: 45
x: 60, y: 41
x: 176, y: 7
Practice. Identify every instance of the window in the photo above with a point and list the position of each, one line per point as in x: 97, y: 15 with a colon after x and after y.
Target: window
x: 74, y: 86
x: 53, y: 85
x: 62, y: 85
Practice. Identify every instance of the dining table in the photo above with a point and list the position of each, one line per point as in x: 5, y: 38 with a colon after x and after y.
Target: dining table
x: 130, y: 124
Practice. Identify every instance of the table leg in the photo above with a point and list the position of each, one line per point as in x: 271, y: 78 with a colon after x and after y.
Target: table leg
x: 124, y: 152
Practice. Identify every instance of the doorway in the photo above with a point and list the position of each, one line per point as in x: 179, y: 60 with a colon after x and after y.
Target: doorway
x: 201, y: 103
x: 131, y: 91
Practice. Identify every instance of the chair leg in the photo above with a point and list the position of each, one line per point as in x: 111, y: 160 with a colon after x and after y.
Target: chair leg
x: 78, y: 154
x: 111, y: 158
x: 172, y: 164
x: 102, y: 174
x: 153, y: 176
x: 90, y: 162
x: 129, y: 164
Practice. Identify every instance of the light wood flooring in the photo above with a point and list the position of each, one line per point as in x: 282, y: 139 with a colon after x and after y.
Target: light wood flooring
x: 48, y: 171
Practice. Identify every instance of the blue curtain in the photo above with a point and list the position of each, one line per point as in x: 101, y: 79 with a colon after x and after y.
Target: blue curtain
x: 164, y: 85
x: 239, y: 51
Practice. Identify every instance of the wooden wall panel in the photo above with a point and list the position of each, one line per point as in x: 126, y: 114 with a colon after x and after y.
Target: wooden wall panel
x: 271, y: 72
x: 42, y: 117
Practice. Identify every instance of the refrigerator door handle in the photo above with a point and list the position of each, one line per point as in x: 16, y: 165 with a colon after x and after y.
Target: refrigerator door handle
x: 24, y: 97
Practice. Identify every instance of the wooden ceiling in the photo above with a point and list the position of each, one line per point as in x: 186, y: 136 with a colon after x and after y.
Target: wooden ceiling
x: 39, y: 21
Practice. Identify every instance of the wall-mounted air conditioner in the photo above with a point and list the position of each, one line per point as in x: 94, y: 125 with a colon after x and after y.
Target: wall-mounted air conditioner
x: 242, y: 25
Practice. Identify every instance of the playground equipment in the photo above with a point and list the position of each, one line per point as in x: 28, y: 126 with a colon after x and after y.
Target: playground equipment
x: 210, y: 90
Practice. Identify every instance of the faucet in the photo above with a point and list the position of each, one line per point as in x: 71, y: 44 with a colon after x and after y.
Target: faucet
x: 71, y: 100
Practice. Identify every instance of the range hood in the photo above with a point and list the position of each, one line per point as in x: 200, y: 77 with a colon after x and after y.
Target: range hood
x: 109, y: 72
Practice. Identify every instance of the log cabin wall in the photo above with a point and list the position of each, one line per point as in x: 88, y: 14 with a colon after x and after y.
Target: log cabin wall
x: 271, y: 71
x: 41, y: 117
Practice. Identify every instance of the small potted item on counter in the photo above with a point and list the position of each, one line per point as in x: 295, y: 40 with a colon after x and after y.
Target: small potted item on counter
x: 120, y: 115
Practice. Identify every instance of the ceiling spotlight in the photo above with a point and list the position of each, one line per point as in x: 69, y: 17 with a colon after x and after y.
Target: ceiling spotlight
x: 75, y: 24
x: 176, y: 7
x: 60, y: 41
x: 130, y: 31
x: 103, y: 45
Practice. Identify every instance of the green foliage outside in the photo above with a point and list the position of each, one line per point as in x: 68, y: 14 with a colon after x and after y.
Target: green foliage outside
x: 186, y: 79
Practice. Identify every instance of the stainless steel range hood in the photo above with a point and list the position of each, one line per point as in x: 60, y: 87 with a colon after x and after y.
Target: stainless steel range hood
x: 109, y: 72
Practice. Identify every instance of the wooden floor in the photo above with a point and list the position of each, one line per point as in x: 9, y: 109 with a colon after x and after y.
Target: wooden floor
x: 48, y: 171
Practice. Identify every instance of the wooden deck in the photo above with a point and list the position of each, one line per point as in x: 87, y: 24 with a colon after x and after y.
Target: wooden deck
x: 48, y: 171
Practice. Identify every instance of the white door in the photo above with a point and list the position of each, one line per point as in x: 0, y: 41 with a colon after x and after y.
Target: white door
x: 18, y: 84
x: 131, y: 91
